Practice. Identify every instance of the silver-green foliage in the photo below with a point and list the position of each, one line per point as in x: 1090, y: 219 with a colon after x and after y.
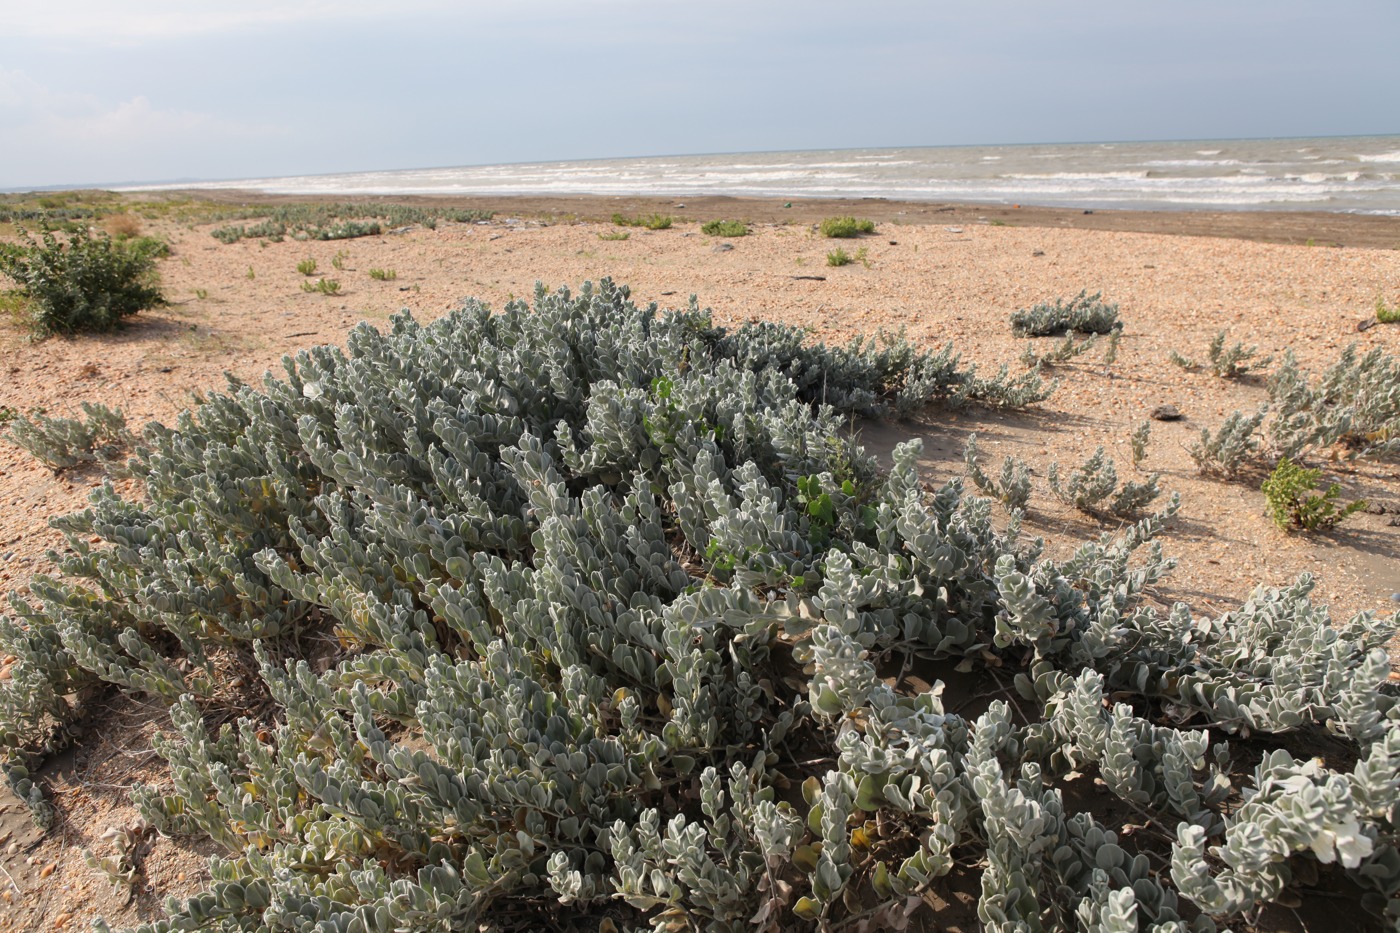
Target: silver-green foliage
x: 1063, y: 352
x: 1355, y: 403
x: 597, y: 585
x: 1084, y: 313
x: 1012, y: 488
x: 60, y: 443
x: 1232, y: 445
x: 1234, y: 361
x: 1138, y: 442
x: 1093, y: 487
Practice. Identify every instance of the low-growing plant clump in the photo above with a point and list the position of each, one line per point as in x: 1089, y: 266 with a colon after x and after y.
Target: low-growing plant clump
x: 1355, y: 403
x: 1294, y: 503
x: 1093, y: 488
x: 1063, y: 352
x: 585, y: 616
x: 1385, y: 314
x: 339, y: 221
x: 324, y: 286
x: 307, y: 266
x: 61, y: 443
x: 1231, y: 447
x: 649, y: 221
x: 1012, y: 488
x: 81, y: 283
x: 1084, y: 314
x: 383, y: 275
x: 1226, y: 362
x: 845, y: 227
x: 725, y: 228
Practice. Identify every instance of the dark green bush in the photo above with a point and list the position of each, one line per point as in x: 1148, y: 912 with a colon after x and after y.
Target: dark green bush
x: 85, y: 284
x: 1293, y: 503
x: 846, y: 228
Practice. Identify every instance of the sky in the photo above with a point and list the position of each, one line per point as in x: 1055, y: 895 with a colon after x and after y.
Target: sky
x: 97, y: 92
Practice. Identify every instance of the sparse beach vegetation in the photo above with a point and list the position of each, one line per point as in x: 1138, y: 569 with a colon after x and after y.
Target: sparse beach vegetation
x: 639, y: 555
x: 845, y: 227
x: 728, y: 228
x: 324, y: 286
x: 649, y: 221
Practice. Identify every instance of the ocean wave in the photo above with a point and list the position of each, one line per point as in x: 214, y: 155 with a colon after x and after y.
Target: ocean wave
x: 1209, y: 151
x: 1194, y: 163
x: 1383, y: 157
x: 1084, y: 176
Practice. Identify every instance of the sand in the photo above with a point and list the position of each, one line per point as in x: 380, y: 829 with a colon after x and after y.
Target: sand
x: 939, y: 272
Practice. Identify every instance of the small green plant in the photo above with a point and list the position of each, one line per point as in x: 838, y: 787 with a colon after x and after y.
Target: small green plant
x: 839, y: 257
x: 324, y: 286
x: 251, y: 274
x: 845, y: 228
x: 1229, y: 362
x: 614, y: 235
x: 1063, y: 352
x: 649, y: 221
x: 1084, y: 313
x: 1138, y: 442
x: 725, y: 228
x: 7, y: 414
x: 1386, y: 315
x: 201, y: 293
x: 383, y: 275
x: 338, y: 261
x: 1293, y: 503
x: 1110, y: 352
x: 85, y: 283
x: 1093, y: 488
x: 1226, y: 451
x: 60, y: 443
x: 1012, y: 488
x: 1185, y: 362
x: 307, y: 267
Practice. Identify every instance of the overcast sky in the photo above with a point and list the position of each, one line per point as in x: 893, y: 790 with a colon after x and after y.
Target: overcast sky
x: 96, y: 91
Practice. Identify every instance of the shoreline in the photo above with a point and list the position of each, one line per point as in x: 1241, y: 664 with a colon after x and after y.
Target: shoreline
x: 1298, y: 228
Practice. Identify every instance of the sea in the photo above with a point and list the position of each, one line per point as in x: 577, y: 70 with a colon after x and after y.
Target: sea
x: 1358, y: 174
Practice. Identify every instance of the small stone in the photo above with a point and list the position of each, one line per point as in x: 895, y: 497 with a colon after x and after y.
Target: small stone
x: 954, y: 229
x: 1395, y: 597
x: 61, y: 920
x: 48, y: 869
x: 1165, y: 413
x: 723, y: 248
x: 1038, y: 252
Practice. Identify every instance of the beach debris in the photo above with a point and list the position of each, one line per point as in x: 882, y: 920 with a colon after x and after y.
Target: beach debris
x: 1037, y: 252
x: 1165, y: 413
x: 809, y: 278
x: 894, y: 242
x: 954, y: 229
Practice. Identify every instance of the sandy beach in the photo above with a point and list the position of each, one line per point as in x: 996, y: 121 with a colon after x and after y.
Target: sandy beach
x: 939, y: 272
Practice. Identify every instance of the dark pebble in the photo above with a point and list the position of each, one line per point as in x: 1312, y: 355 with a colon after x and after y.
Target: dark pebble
x: 1165, y: 413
